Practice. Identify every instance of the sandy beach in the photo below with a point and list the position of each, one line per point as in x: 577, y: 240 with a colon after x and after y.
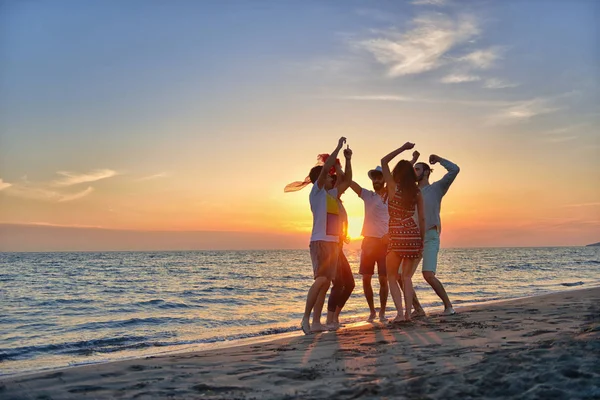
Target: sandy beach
x: 545, y: 347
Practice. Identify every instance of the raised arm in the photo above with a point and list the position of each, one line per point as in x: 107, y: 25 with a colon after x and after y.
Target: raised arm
x: 452, y: 169
x: 346, y: 178
x: 415, y: 158
x: 356, y: 187
x: 387, y: 174
x: 329, y: 163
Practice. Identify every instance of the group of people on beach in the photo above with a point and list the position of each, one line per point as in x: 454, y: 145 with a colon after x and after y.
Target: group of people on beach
x: 401, y: 226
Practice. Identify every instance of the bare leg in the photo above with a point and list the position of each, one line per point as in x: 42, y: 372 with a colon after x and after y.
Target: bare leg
x: 383, y: 296
x: 439, y: 290
x: 313, y: 294
x: 368, y: 289
x: 316, y: 325
x: 393, y: 263
x: 419, y: 312
x: 408, y: 269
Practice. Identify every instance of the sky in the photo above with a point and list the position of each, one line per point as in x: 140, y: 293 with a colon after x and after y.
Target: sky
x: 121, y: 119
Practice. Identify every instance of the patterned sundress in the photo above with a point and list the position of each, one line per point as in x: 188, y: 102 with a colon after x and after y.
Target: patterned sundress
x: 405, y: 235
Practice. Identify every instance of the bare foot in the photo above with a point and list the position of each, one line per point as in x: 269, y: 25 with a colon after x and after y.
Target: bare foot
x: 449, y: 311
x: 382, y: 317
x: 418, y: 314
x: 332, y: 327
x: 398, y: 319
x: 318, y: 327
x: 305, y: 327
x: 372, y: 316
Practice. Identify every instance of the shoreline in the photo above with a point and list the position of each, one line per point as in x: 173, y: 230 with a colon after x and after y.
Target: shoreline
x: 358, y: 355
x: 350, y: 322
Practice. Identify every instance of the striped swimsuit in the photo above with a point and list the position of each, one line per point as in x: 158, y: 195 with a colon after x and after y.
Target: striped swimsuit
x: 405, y: 235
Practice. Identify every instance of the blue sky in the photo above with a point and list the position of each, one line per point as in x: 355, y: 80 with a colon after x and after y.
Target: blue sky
x: 150, y: 107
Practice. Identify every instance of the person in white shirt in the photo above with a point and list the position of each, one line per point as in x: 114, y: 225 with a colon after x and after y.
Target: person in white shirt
x: 325, y: 237
x: 432, y: 199
x: 375, y: 239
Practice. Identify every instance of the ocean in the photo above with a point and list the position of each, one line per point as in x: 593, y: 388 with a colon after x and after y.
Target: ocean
x: 65, y: 309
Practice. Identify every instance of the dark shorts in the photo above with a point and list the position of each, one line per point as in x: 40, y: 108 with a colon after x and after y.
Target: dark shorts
x: 373, y: 250
x: 324, y: 257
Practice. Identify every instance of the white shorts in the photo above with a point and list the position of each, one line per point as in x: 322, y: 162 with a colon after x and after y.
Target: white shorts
x: 431, y: 248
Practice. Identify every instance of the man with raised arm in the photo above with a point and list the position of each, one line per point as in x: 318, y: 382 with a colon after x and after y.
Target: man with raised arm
x: 432, y: 199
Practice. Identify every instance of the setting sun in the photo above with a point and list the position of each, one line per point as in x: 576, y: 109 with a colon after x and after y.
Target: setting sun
x: 355, y: 227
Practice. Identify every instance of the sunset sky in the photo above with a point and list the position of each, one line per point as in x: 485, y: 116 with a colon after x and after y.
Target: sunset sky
x: 193, y: 115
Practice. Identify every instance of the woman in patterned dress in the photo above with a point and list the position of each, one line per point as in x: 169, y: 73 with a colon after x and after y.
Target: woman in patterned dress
x: 406, y: 237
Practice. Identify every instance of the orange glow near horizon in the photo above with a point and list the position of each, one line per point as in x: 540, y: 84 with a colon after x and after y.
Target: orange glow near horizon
x: 151, y: 137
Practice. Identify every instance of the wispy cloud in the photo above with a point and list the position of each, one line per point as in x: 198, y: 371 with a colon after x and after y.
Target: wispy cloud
x: 437, y: 100
x: 71, y: 178
x: 423, y: 47
x: 562, y: 139
x: 483, y: 59
x: 495, y: 83
x: 566, y: 129
x: 564, y: 134
x: 75, y: 196
x: 4, y: 185
x: 429, y: 2
x: 44, y: 194
x: 155, y: 176
x: 54, y: 191
x: 522, y: 111
x: 460, y: 78
x: 381, y: 97
x: 578, y: 205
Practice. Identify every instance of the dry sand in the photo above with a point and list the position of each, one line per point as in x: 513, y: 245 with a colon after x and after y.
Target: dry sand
x: 545, y: 347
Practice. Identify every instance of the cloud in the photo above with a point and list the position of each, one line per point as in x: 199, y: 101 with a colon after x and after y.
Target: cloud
x: 422, y: 48
x: 522, y: 111
x: 564, y: 134
x: 75, y: 196
x: 459, y: 78
x: 437, y: 100
x: 43, y: 194
x: 383, y: 97
x: 482, y: 59
x: 562, y: 139
x: 565, y: 129
x: 53, y: 191
x: 495, y: 83
x: 74, y: 179
x: 429, y: 2
x: 155, y: 176
x: 4, y: 185
x: 596, y: 204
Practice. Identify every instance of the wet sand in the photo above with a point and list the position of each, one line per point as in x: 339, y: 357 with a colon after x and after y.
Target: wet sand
x: 545, y: 347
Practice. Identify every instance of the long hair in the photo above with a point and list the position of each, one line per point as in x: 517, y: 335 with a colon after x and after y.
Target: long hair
x: 406, y: 182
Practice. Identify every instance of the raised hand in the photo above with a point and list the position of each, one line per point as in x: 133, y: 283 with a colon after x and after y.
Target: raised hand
x: 341, y: 142
x: 408, y: 146
x: 348, y: 152
x: 434, y: 159
x: 416, y: 155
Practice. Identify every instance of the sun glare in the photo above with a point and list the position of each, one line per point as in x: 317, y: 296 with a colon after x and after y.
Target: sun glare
x: 355, y: 227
